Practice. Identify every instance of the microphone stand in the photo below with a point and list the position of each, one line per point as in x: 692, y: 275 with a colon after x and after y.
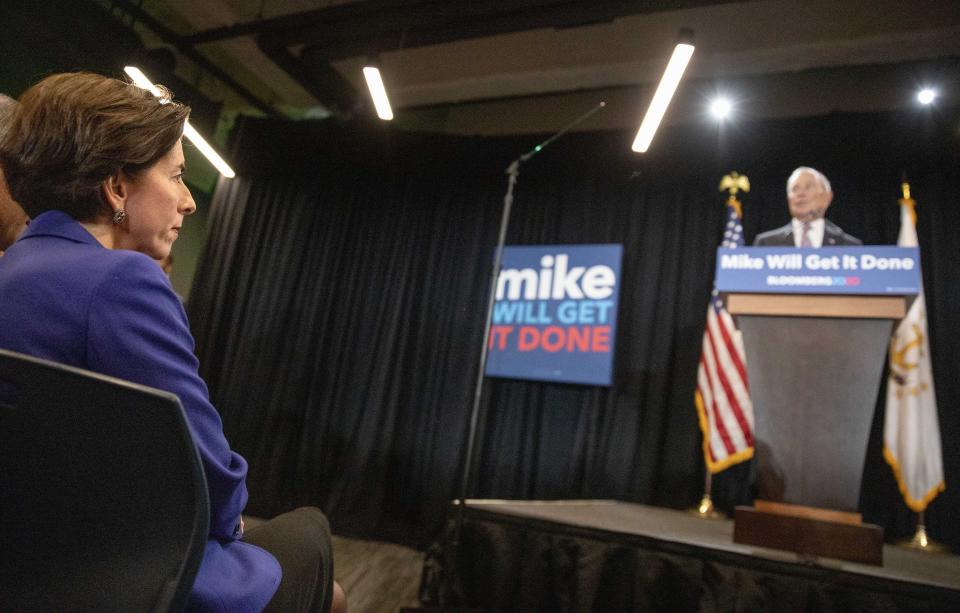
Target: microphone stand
x: 513, y: 171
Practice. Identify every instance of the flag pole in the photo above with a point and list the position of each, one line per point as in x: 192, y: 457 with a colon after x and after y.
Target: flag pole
x: 706, y: 510
x: 731, y: 183
x: 918, y: 503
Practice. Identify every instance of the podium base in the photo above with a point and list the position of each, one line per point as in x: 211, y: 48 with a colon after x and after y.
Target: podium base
x: 808, y: 531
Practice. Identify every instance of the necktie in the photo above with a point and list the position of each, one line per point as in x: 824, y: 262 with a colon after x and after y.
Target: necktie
x: 805, y: 236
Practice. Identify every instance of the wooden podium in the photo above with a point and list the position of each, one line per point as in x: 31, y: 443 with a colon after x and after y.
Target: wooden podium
x: 814, y: 364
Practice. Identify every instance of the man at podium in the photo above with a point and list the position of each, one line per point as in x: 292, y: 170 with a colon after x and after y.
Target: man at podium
x: 808, y: 196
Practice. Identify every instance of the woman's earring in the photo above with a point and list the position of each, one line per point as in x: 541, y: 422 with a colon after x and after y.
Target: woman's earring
x: 118, y: 216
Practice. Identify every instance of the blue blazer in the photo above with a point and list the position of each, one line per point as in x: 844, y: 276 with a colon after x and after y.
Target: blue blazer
x: 65, y: 297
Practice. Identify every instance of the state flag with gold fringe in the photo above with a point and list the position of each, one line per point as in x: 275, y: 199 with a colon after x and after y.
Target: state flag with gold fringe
x: 911, y: 432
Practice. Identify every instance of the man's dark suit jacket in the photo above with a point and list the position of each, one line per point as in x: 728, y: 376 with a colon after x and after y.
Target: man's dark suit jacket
x: 833, y: 236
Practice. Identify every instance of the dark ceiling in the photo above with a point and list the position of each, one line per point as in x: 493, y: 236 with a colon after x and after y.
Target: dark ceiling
x: 489, y: 66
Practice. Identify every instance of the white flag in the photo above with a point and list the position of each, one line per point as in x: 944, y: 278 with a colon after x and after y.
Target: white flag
x: 911, y: 432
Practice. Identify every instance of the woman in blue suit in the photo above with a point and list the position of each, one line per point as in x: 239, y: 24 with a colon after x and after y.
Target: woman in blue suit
x: 98, y: 165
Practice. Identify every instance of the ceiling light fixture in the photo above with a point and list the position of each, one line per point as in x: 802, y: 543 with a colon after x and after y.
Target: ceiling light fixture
x: 189, y: 131
x: 926, y: 96
x: 721, y: 108
x: 371, y: 72
x: 668, y: 85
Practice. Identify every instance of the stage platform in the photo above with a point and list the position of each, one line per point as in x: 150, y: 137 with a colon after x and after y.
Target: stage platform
x: 601, y: 555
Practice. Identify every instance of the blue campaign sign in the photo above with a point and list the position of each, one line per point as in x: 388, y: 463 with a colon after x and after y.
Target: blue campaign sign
x: 870, y: 270
x: 555, y: 315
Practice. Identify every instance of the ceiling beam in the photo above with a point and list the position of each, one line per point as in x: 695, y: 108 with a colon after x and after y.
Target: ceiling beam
x: 375, y: 26
x: 318, y: 77
x: 358, y: 28
x: 184, y: 47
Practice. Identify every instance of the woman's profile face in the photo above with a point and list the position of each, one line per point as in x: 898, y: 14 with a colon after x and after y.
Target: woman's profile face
x: 156, y: 203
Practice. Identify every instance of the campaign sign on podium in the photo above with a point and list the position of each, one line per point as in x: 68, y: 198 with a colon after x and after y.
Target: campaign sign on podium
x: 816, y: 324
x: 555, y: 315
x: 833, y: 270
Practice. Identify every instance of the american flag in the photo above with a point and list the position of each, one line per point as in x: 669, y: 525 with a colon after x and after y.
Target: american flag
x: 723, y: 394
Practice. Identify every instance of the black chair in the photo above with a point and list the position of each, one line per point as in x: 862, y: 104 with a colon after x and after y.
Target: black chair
x: 103, y: 501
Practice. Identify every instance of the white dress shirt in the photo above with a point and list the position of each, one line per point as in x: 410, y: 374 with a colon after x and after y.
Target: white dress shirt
x: 817, y: 227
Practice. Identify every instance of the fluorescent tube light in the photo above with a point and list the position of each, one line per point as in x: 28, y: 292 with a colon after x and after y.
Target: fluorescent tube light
x: 189, y: 131
x: 661, y: 98
x: 141, y: 79
x: 377, y: 91
x: 194, y: 137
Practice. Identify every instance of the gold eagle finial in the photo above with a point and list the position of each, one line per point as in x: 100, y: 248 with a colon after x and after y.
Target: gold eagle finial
x: 733, y: 183
x: 908, y: 202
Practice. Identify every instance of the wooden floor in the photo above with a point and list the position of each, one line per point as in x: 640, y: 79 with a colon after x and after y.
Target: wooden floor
x: 377, y: 577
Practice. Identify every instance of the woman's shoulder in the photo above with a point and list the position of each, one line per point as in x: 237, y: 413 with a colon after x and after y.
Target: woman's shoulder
x: 55, y: 236
x: 132, y: 269
x: 134, y: 261
x: 114, y: 266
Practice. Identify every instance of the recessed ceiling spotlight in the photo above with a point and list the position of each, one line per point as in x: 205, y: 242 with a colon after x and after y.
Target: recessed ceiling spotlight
x: 721, y: 108
x: 926, y: 95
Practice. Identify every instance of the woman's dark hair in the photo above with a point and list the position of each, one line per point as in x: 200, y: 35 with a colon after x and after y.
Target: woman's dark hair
x: 73, y: 130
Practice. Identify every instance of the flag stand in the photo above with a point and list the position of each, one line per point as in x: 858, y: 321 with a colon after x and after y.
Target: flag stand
x: 921, y: 541
x: 706, y: 510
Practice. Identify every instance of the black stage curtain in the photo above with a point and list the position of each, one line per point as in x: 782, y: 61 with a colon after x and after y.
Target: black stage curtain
x: 338, y: 307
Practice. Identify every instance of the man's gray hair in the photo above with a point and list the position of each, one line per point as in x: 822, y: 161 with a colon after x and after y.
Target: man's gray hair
x: 7, y: 106
x: 819, y: 176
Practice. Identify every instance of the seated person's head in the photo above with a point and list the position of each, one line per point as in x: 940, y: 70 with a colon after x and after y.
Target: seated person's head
x: 12, y: 218
x: 103, y: 151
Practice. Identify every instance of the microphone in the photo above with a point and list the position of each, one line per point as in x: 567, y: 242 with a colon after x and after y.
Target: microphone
x: 529, y: 154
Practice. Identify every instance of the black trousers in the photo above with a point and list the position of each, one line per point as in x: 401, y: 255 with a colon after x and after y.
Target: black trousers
x: 300, y: 541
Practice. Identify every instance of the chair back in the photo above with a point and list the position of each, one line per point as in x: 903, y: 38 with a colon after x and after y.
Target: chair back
x: 103, y: 500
